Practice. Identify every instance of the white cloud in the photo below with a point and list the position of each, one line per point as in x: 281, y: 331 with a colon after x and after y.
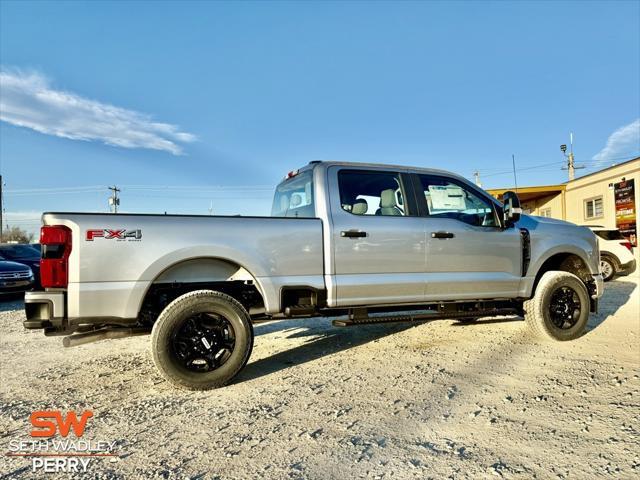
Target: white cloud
x: 623, y: 143
x: 27, y: 100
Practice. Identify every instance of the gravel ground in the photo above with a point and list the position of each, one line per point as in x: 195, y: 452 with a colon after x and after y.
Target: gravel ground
x: 438, y: 400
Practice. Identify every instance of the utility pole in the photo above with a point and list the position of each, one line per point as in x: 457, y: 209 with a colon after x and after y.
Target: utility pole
x: 114, y: 201
x: 476, y: 175
x: 571, y: 166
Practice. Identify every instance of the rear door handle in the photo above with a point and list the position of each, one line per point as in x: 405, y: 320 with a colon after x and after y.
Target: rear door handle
x: 442, y: 235
x: 352, y: 234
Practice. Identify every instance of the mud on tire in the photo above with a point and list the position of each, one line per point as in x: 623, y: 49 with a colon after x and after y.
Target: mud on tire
x: 202, y: 340
x: 560, y: 307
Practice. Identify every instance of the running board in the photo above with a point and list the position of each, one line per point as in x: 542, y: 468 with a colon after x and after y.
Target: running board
x: 103, y: 334
x: 356, y: 319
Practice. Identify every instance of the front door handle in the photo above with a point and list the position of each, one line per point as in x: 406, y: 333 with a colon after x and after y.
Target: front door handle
x: 442, y: 235
x: 353, y: 234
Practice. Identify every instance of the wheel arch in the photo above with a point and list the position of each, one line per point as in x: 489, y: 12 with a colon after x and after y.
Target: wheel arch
x: 200, y: 272
x: 202, y: 269
x: 565, y: 261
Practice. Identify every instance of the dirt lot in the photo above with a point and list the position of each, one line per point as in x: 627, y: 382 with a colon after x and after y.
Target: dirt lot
x: 435, y: 400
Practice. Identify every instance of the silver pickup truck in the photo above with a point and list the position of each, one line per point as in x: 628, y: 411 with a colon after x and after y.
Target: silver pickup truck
x: 345, y: 240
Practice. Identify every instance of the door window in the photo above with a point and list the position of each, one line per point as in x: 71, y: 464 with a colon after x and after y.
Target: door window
x: 372, y: 193
x: 449, y: 198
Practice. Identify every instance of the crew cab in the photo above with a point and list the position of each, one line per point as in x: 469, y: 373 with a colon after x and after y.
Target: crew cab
x: 344, y: 240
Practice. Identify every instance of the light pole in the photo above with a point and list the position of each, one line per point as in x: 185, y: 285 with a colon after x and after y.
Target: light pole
x: 571, y: 167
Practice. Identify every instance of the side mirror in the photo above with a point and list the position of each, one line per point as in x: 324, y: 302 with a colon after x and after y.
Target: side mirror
x: 511, y: 208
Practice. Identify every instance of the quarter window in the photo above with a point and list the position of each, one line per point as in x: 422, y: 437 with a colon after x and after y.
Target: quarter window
x: 593, y: 208
x: 371, y: 193
x: 448, y: 198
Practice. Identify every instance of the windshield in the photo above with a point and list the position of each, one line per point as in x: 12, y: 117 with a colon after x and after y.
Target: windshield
x: 294, y: 197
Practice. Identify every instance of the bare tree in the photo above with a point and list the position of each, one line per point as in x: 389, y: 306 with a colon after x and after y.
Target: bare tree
x: 16, y: 235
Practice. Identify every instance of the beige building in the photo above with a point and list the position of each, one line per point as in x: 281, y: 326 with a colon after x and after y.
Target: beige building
x: 609, y: 198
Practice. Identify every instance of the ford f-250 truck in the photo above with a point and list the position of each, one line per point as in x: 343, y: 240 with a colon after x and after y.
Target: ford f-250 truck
x: 344, y: 239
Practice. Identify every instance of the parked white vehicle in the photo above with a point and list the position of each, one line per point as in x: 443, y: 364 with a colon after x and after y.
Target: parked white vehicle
x: 616, y: 253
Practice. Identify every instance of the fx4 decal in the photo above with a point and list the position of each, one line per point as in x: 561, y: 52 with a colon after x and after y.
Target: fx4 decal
x: 110, y: 234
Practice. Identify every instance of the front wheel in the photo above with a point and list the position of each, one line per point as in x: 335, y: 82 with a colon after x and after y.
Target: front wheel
x: 202, y: 340
x: 560, y: 307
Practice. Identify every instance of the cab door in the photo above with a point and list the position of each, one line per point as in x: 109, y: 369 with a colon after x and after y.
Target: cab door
x: 468, y: 253
x: 377, y: 238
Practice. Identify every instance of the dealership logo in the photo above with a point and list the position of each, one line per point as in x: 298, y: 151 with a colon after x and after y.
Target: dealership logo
x: 47, y: 422
x: 51, y: 454
x: 117, y: 234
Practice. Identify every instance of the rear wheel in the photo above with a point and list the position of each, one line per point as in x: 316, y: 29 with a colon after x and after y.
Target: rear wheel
x: 202, y: 340
x: 560, y: 307
x: 607, y: 267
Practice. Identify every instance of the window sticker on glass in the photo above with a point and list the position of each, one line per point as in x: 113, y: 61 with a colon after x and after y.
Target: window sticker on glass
x: 449, y: 197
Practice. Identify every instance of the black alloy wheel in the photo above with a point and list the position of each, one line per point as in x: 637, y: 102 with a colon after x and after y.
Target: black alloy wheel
x: 204, y: 342
x: 564, y: 308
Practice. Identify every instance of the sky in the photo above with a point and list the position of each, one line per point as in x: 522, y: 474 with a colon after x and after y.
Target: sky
x: 192, y: 107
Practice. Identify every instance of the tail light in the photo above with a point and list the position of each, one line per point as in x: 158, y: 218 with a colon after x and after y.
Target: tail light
x: 54, y: 263
x: 628, y: 245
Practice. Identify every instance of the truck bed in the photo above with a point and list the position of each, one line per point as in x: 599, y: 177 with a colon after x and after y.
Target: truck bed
x: 114, y: 269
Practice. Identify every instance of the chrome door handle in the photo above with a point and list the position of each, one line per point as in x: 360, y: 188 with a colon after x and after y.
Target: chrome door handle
x: 442, y: 235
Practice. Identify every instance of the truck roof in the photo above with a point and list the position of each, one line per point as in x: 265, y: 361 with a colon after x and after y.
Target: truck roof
x: 330, y: 163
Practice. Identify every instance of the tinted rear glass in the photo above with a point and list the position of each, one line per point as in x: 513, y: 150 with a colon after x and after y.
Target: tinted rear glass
x: 609, y: 234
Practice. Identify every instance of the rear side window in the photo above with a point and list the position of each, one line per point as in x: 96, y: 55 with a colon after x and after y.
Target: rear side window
x: 610, y: 234
x: 372, y: 193
x: 294, y: 197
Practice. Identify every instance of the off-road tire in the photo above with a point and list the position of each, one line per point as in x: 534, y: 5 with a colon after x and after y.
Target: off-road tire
x: 175, y: 314
x: 611, y: 273
x: 538, y: 313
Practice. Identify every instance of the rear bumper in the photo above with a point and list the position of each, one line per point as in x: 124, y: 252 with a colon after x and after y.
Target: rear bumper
x: 627, y: 268
x: 44, y: 310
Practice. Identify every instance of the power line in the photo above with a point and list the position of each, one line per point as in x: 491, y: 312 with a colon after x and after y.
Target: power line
x: 532, y: 167
x: 197, y: 187
x: 150, y: 188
